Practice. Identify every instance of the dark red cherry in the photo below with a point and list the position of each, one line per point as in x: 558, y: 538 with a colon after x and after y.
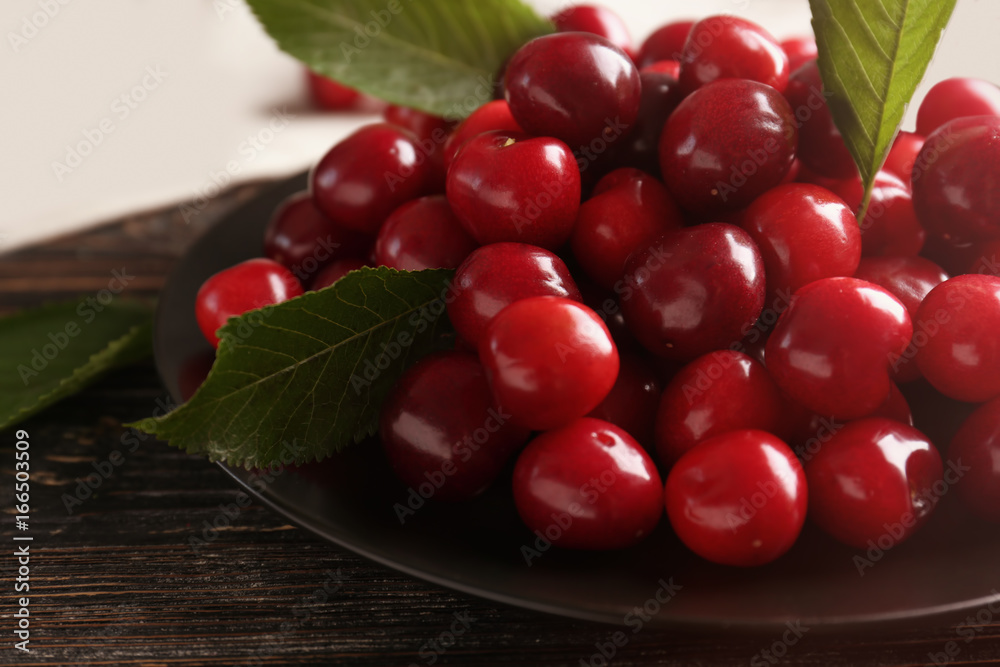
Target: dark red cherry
x: 588, y: 485
x: 505, y: 186
x: 728, y: 47
x: 423, y: 234
x: 332, y: 96
x: 903, y: 154
x: 491, y: 116
x: 632, y: 403
x: 726, y: 144
x: 640, y: 146
x: 597, y: 20
x: 665, y: 43
x: 890, y: 226
x: 821, y: 146
x: 957, y: 97
x: 873, y: 483
x: 799, y: 50
x: 545, y: 79
x: 423, y: 125
x: 694, y: 291
x: 738, y: 498
x: 671, y: 68
x: 497, y: 275
x: 441, y: 431
x: 974, y: 461
x: 986, y: 258
x: 334, y: 272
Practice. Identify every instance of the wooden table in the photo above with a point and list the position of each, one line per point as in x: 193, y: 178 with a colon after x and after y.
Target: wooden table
x: 114, y: 582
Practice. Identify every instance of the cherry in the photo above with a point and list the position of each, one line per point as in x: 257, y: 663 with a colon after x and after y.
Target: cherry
x: 505, y: 186
x: 954, y: 256
x: 597, y: 20
x: 544, y: 80
x: 491, y: 116
x: 629, y: 210
x: 959, y: 352
x: 738, y: 498
x: 804, y: 233
x: 956, y: 98
x: 726, y: 144
x: 640, y: 147
x: 423, y: 234
x: 694, y: 290
x: 587, y: 485
x: 333, y: 96
x: 671, y: 68
x: 831, y: 348
x: 665, y: 43
x: 423, y: 125
x: 719, y: 392
x: 368, y: 175
x: 986, y: 258
x: 821, y: 146
x: 956, y: 179
x: 873, y: 483
x: 975, y: 452
x: 799, y: 50
x: 890, y: 226
x: 631, y: 405
x: 497, y: 275
x: 727, y: 47
x: 304, y: 240
x: 549, y: 360
x: 335, y: 271
x: 249, y: 285
x: 442, y: 433
x: 903, y: 154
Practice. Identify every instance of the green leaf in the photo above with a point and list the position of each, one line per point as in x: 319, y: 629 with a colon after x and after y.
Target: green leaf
x: 309, y: 375
x: 54, y: 351
x: 440, y: 56
x: 872, y: 56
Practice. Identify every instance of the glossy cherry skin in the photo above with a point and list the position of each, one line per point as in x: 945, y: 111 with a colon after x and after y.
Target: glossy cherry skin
x: 665, y: 43
x: 738, y: 498
x: 549, y: 360
x: 544, y: 80
x: 491, y: 116
x: 249, y: 285
x: 620, y: 219
x: 799, y: 50
x: 304, y: 240
x: 423, y: 234
x: 726, y: 144
x: 368, y: 175
x: 890, y: 226
x: 821, y: 146
x: 956, y: 98
x: 956, y: 180
x: 632, y: 403
x: 497, y: 275
x: 872, y: 483
x: 960, y: 351
x: 719, y: 392
x: 831, y: 349
x: 903, y: 154
x: 334, y: 272
x: 976, y: 446
x: 588, y: 485
x: 441, y: 431
x: 804, y: 233
x: 640, y: 146
x: 694, y: 291
x: 728, y: 47
x: 505, y: 186
x: 423, y: 125
x: 671, y: 68
x: 909, y: 279
x: 597, y: 20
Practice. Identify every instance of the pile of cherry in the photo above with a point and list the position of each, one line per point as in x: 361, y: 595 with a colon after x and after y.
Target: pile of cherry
x: 661, y: 275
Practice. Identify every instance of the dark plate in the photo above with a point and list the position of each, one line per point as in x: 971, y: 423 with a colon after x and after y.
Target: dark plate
x: 952, y: 564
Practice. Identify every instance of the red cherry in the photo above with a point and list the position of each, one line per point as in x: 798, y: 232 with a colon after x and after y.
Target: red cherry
x: 738, y: 498
x: 986, y: 258
x: 505, y: 186
x: 694, y: 291
x: 974, y: 454
x: 423, y: 125
x: 956, y: 98
x: 368, y: 175
x: 831, y: 349
x: 497, y: 275
x: 719, y: 392
x: 799, y: 50
x: 491, y: 116
x: 423, y: 234
x: 665, y: 43
x: 328, y: 94
x: 959, y: 352
x: 872, y: 484
x: 890, y: 226
x: 441, y: 431
x: 640, y: 147
x: 955, y: 257
x: 249, y: 285
x: 727, y: 47
x: 597, y: 20
x: 726, y: 144
x: 903, y: 155
x: 821, y: 147
x: 335, y: 271
x: 671, y: 68
x: 588, y: 485
x: 544, y: 80
x: 549, y: 360
x: 631, y: 405
x: 628, y: 211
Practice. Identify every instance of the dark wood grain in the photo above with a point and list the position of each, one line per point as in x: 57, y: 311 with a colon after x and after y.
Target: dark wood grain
x: 114, y: 581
